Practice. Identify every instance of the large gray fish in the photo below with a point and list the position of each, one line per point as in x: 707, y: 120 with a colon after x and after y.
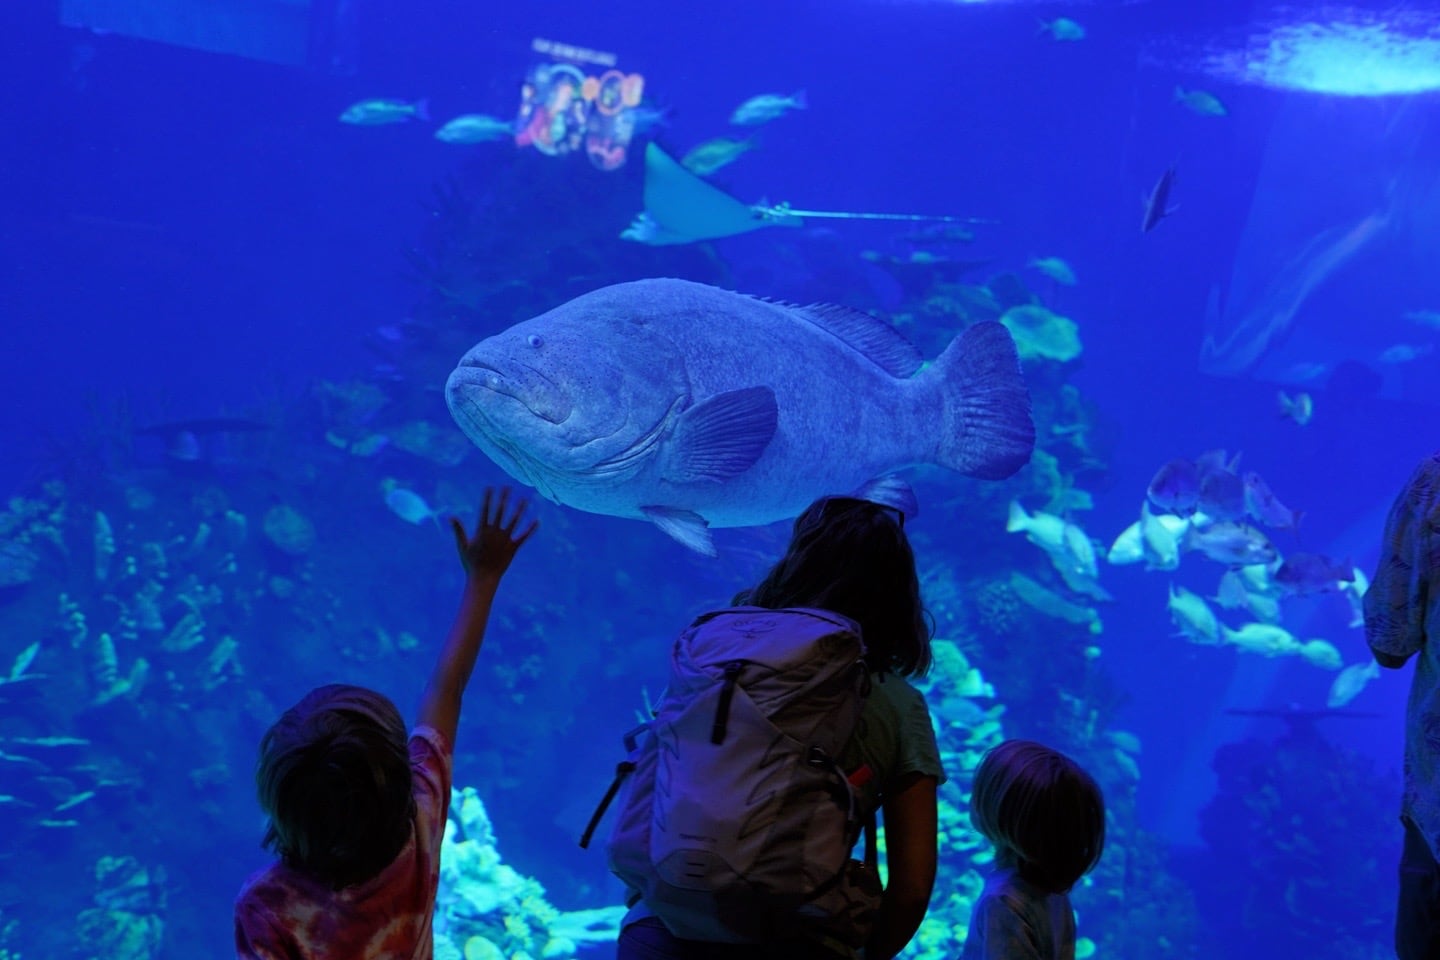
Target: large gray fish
x: 695, y: 407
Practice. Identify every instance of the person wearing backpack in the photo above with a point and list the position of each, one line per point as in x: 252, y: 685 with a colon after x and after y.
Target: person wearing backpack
x: 788, y: 722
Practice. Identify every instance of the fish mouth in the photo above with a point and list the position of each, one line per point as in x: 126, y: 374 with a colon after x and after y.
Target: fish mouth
x: 532, y: 389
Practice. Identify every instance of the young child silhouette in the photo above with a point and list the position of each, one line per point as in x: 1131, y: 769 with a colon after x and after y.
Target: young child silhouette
x: 1046, y: 817
x: 357, y: 810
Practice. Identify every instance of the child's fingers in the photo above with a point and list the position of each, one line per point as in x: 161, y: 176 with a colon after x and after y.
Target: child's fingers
x: 515, y: 520
x: 458, y: 529
x: 485, y: 508
x: 499, y: 509
x: 534, y: 525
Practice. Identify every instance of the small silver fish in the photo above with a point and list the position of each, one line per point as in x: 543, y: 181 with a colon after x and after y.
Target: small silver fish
x: 1263, y: 506
x: 74, y: 801
x: 1129, y: 546
x: 1062, y: 28
x: 23, y: 661
x: 1160, y: 536
x: 715, y: 154
x: 1056, y: 269
x: 1350, y: 682
x: 1228, y: 542
x: 648, y: 118
x: 1354, y: 591
x: 1299, y: 408
x: 1176, y: 486
x: 1157, y: 204
x: 1405, y: 352
x: 372, y: 113
x: 1306, y: 573
x: 1192, y: 616
x: 1200, y: 102
x: 409, y: 506
x: 767, y: 107
x: 475, y: 128
x: 1222, y: 495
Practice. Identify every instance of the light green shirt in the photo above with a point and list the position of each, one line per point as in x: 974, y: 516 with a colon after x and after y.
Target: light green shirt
x: 895, y: 738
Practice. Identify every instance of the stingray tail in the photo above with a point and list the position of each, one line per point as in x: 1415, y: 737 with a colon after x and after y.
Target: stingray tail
x: 987, y: 430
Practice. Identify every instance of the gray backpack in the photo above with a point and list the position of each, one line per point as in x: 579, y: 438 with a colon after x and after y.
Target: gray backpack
x: 737, y: 823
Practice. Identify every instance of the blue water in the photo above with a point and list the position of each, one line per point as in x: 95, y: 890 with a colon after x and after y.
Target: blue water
x: 188, y: 233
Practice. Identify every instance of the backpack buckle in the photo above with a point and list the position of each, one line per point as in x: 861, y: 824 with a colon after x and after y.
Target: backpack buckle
x: 819, y: 758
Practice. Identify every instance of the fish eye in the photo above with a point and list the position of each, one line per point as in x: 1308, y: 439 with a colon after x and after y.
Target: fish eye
x: 535, y: 340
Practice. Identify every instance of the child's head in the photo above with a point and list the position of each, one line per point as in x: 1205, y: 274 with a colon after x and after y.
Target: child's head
x: 852, y: 557
x: 334, y: 779
x: 1045, y: 815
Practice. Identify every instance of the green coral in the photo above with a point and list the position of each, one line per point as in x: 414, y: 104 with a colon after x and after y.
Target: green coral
x: 486, y: 908
x: 1042, y: 334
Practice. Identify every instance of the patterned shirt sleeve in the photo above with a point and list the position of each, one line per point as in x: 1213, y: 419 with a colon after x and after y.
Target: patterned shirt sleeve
x: 430, y: 773
x: 254, y: 938
x: 1399, y: 593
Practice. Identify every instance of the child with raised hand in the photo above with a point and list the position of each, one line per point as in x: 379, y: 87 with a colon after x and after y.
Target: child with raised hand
x: 356, y: 809
x: 1046, y: 817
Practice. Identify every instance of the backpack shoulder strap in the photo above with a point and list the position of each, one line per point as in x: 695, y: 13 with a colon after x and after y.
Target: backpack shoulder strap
x: 623, y: 769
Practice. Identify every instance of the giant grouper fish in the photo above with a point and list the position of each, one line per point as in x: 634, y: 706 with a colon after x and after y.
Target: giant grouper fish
x: 695, y: 407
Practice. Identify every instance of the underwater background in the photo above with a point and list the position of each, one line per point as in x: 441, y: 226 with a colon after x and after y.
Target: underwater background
x: 229, y: 315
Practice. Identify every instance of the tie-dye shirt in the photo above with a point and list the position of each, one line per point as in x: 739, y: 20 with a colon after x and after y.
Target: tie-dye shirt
x: 1402, y: 603
x: 1014, y: 921
x: 282, y: 914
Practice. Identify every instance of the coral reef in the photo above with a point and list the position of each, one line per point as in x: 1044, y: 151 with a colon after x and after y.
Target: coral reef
x: 127, y: 920
x: 486, y: 909
x: 1042, y: 334
x: 1302, y: 840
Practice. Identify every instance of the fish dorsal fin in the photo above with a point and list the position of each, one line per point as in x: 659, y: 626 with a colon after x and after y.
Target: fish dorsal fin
x: 885, y: 346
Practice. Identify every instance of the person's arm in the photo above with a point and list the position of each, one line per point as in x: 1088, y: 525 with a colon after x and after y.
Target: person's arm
x: 486, y: 555
x: 911, y: 852
x: 1399, y: 592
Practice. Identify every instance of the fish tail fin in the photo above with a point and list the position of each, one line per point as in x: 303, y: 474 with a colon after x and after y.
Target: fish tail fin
x: 422, y: 109
x: 800, y: 100
x: 1018, y: 518
x: 986, y: 429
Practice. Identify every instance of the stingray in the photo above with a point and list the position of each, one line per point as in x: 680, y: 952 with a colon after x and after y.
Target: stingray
x: 681, y: 207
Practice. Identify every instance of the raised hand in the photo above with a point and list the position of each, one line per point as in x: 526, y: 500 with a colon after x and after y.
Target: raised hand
x: 488, y: 551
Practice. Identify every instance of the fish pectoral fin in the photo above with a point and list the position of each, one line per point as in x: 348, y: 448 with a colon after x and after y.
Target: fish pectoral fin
x: 687, y: 526
x: 890, y: 491
x: 721, y: 436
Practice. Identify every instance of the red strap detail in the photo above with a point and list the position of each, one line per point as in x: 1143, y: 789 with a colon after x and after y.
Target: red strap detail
x: 861, y: 775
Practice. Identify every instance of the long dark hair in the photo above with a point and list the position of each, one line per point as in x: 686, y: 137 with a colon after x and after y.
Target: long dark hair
x: 852, y: 557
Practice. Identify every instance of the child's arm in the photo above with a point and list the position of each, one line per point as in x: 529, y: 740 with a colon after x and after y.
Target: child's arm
x: 486, y: 555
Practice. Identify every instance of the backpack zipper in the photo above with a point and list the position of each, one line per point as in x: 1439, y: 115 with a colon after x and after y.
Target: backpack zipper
x: 727, y: 693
